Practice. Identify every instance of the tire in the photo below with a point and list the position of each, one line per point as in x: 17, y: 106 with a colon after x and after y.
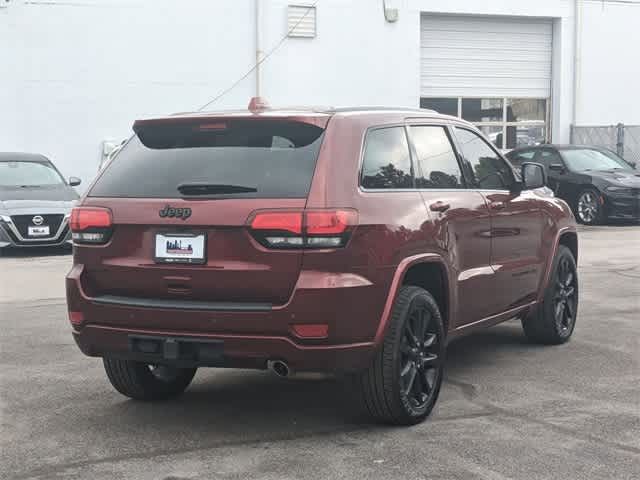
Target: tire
x: 382, y: 390
x: 553, y: 321
x: 143, y: 382
x: 588, y: 209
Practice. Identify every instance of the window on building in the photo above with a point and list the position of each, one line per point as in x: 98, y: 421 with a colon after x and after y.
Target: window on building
x: 445, y: 106
x: 489, y: 170
x: 387, y: 162
x: 438, y: 165
x: 508, y: 122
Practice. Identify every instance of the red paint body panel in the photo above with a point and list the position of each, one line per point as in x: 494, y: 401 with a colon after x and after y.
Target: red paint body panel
x: 496, y: 260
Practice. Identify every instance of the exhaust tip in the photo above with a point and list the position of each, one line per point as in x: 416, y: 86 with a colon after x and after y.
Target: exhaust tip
x: 280, y: 368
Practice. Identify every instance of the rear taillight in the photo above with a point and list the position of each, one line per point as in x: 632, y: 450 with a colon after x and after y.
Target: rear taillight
x: 303, y: 229
x: 91, y: 225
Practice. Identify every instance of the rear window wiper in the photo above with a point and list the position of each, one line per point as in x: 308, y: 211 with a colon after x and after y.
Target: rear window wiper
x: 213, y: 189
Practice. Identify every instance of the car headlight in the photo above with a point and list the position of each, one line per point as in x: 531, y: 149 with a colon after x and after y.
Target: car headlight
x: 620, y: 190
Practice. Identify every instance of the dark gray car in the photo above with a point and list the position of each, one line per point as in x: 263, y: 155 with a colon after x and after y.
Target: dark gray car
x: 35, y: 202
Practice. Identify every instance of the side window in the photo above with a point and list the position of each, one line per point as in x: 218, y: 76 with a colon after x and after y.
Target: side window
x: 550, y: 157
x: 518, y: 158
x: 387, y: 163
x: 439, y: 166
x: 489, y: 170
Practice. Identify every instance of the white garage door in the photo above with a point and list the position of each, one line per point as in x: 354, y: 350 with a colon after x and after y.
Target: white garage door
x: 464, y: 56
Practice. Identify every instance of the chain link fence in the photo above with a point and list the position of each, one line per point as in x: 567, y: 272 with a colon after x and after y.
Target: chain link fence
x: 623, y: 139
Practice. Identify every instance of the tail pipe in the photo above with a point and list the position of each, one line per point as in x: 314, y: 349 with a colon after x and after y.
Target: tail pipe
x: 279, y: 367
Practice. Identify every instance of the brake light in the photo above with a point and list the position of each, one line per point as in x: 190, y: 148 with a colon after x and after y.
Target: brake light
x: 208, y: 127
x: 278, y: 221
x: 329, y: 223
x: 91, y: 225
x: 303, y: 229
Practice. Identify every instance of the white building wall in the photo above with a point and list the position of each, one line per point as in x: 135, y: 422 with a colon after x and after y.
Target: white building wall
x: 609, y: 67
x: 73, y: 74
x: 77, y: 73
x: 357, y: 57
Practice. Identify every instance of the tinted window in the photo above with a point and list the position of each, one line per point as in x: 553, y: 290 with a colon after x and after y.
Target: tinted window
x: 549, y: 157
x: 488, y: 169
x: 266, y: 159
x: 14, y: 174
x: 518, y: 158
x: 438, y: 163
x: 387, y: 163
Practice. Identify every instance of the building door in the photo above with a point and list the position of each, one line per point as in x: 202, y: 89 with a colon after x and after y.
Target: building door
x: 494, y: 72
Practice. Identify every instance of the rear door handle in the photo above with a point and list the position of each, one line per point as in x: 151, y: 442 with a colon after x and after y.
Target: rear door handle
x: 497, y: 205
x: 439, y: 206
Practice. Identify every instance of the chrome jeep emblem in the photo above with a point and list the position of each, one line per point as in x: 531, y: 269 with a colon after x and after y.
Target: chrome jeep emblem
x: 37, y: 220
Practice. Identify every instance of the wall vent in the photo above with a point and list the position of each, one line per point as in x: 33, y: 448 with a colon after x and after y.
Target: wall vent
x: 301, y: 21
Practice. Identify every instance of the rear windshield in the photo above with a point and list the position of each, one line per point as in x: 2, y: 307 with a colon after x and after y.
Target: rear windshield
x: 233, y: 159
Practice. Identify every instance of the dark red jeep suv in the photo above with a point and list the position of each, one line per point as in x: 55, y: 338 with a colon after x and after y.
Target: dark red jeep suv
x: 356, y: 241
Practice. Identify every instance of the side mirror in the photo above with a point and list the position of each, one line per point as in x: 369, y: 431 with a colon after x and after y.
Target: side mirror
x: 633, y: 164
x: 557, y: 167
x: 74, y: 181
x: 533, y: 176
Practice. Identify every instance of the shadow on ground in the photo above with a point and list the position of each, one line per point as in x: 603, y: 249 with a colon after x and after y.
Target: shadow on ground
x: 35, y: 252
x: 231, y: 406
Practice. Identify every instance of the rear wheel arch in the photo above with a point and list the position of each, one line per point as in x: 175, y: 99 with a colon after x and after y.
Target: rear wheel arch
x: 570, y: 240
x: 423, y: 268
x: 432, y: 277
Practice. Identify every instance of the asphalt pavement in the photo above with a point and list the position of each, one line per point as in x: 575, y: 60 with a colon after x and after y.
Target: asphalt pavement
x: 508, y: 409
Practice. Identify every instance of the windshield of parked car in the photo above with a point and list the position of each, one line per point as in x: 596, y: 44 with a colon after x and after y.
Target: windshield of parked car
x: 584, y: 159
x: 28, y: 174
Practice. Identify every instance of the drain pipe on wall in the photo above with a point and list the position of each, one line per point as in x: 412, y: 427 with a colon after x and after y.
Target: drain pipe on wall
x: 258, y: 49
x: 577, y: 58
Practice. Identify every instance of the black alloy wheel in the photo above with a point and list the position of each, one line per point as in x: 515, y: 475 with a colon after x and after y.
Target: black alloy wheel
x: 553, y: 320
x: 565, y: 298
x: 419, y: 357
x: 402, y: 384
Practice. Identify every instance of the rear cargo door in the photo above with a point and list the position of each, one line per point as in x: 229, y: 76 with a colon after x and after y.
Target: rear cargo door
x: 181, y: 194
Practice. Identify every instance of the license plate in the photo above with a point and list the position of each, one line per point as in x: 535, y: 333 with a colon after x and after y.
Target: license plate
x: 40, y: 231
x: 180, y: 248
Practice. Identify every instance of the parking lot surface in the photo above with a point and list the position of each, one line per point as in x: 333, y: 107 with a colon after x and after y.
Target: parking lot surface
x: 508, y: 409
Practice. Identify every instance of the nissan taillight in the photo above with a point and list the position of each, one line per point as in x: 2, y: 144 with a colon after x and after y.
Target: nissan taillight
x: 303, y: 229
x: 91, y: 225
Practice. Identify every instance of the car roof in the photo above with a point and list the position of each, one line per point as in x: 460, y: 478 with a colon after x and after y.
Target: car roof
x: 322, y: 113
x: 297, y: 109
x: 22, y: 157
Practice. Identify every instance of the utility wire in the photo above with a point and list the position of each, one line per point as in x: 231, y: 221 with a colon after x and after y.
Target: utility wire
x: 284, y: 38
x: 616, y: 2
x: 262, y: 60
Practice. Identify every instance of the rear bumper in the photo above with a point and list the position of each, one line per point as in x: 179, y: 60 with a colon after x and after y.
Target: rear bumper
x: 350, y: 305
x: 240, y: 351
